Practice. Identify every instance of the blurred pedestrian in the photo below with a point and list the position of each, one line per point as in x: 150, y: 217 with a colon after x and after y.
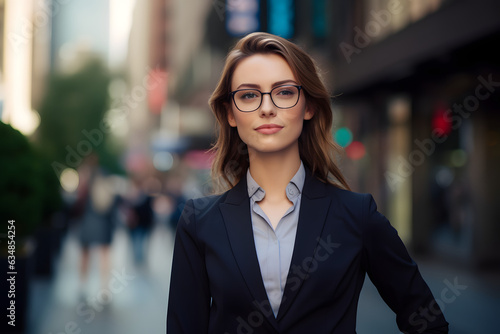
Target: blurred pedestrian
x: 287, y: 247
x: 140, y: 219
x: 96, y: 201
x: 174, y: 188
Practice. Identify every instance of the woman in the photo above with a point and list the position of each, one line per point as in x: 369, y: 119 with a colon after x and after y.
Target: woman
x: 287, y: 247
x: 97, y: 204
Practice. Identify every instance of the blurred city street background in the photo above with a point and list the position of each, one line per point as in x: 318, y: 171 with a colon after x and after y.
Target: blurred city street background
x: 105, y: 131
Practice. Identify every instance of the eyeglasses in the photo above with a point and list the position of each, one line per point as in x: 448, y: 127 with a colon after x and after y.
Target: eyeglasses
x: 283, y: 97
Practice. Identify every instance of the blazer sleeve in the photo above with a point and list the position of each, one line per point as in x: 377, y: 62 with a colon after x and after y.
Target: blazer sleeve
x: 396, y: 275
x: 189, y: 295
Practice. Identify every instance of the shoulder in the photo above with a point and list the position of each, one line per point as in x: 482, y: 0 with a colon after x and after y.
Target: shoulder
x: 350, y: 200
x: 359, y: 207
x: 360, y: 212
x: 315, y: 188
x: 202, y: 206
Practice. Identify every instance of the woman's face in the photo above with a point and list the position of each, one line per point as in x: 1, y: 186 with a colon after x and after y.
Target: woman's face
x: 268, y: 129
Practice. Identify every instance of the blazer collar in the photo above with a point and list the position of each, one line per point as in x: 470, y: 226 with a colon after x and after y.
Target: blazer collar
x: 314, y: 208
x: 236, y: 213
x: 313, y: 188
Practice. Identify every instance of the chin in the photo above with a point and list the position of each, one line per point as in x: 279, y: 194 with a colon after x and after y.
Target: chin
x: 268, y: 149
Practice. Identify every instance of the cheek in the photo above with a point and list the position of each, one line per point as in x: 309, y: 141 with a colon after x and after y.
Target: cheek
x: 242, y: 124
x: 297, y: 118
x: 237, y: 121
x: 231, y: 119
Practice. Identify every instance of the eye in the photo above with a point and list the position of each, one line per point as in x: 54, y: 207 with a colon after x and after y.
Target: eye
x: 284, y: 92
x: 247, y: 95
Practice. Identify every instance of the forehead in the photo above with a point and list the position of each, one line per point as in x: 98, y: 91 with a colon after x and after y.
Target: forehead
x: 263, y: 70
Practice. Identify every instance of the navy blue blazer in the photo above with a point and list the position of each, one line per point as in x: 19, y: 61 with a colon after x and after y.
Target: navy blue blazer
x: 216, y: 285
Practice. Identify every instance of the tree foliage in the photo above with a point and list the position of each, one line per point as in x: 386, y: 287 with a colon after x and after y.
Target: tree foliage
x: 23, y: 187
x: 74, y: 106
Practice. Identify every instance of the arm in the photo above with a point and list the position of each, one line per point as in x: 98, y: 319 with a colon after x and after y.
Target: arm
x: 189, y: 296
x: 397, y: 277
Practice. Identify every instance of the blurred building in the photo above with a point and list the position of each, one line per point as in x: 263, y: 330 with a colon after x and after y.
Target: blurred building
x: 78, y: 28
x: 38, y: 37
x: 419, y: 85
x: 23, y: 61
x: 164, y: 124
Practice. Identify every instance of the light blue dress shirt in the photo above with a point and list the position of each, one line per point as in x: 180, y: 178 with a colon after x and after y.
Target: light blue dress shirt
x: 275, y: 246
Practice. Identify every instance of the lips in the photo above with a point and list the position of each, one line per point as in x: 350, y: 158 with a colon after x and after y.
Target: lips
x: 269, y: 128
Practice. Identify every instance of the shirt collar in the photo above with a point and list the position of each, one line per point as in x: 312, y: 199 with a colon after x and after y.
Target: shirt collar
x: 293, y: 189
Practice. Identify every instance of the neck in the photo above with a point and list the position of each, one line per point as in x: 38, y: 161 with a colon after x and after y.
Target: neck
x: 273, y: 171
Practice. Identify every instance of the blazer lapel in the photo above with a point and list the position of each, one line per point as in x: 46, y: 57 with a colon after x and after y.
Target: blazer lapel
x: 313, y: 211
x: 236, y: 214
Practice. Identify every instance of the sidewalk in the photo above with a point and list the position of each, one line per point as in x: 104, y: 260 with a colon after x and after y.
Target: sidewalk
x: 470, y: 301
x: 140, y: 305
x: 138, y: 302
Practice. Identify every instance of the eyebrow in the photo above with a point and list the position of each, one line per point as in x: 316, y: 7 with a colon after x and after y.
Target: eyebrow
x: 278, y: 83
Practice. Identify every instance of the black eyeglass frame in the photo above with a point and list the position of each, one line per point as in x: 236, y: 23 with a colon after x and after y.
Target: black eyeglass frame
x: 299, y: 88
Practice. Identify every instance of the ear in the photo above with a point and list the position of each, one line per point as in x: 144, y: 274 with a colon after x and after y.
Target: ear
x: 309, y: 113
x: 230, y: 116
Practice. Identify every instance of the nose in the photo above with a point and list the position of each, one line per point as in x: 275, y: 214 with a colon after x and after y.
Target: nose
x: 267, y: 107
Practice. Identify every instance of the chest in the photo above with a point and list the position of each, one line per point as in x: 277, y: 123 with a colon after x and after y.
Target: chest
x: 275, y: 210
x: 232, y: 262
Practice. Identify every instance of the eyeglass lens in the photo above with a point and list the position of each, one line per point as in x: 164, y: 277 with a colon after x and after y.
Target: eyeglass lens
x: 251, y: 99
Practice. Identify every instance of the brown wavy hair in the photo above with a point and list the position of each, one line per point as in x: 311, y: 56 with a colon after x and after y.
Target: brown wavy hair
x: 317, y: 149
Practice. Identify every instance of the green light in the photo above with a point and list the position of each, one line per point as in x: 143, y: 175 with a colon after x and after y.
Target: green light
x: 343, y: 137
x: 458, y: 158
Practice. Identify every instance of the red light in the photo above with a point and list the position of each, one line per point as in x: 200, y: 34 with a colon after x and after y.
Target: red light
x: 441, y: 121
x: 356, y: 150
